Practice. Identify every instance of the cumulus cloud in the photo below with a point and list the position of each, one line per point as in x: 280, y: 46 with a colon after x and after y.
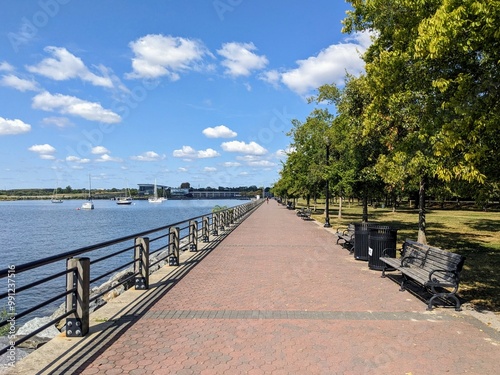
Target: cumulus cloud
x: 76, y: 159
x: 209, y: 169
x: 273, y: 77
x: 189, y: 153
x: 208, y: 153
x: 256, y: 161
x: 158, y: 55
x: 251, y: 148
x: 63, y: 65
x: 240, y: 60
x: 44, y: 151
x: 107, y: 158
x: 74, y: 106
x: 220, y: 131
x: 261, y: 163
x: 13, y: 127
x: 231, y: 164
x: 19, y: 84
x: 328, y: 66
x: 99, y: 150
x: 148, y: 156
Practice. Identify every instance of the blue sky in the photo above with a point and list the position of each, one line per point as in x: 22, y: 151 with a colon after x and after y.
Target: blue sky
x: 199, y: 91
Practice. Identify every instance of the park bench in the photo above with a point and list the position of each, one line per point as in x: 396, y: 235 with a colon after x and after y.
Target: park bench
x: 434, y: 269
x: 304, y: 213
x: 347, y: 236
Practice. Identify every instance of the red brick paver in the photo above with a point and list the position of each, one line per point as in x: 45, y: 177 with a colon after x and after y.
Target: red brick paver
x: 277, y: 296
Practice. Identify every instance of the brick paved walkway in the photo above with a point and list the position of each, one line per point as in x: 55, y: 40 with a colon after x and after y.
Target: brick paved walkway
x: 277, y: 296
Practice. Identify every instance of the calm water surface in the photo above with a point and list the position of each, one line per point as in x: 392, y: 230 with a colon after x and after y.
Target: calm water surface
x: 32, y: 230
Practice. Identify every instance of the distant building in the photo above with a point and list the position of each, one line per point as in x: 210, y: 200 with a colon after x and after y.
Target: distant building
x: 148, y: 189
x: 179, y: 193
x: 205, y: 194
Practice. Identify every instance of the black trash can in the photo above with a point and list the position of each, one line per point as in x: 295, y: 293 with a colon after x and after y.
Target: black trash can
x: 381, y: 237
x: 361, y: 234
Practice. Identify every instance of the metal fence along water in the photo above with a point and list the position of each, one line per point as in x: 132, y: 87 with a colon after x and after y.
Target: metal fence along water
x: 79, y: 271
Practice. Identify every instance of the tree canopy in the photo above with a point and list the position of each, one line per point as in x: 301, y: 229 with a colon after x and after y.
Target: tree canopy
x: 426, y: 110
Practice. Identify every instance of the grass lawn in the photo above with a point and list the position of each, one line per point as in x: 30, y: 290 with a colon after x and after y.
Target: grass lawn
x: 474, y: 234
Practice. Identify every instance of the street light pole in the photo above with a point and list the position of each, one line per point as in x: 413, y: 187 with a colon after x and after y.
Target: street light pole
x: 327, y: 203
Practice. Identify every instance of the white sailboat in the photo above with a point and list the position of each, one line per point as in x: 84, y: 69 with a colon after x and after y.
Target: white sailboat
x: 89, y: 205
x: 55, y: 198
x: 155, y: 198
x: 126, y: 200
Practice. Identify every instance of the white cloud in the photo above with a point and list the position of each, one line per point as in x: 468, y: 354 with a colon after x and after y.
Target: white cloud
x: 60, y: 122
x: 159, y: 55
x: 186, y: 152
x: 45, y: 151
x: 209, y: 169
x: 6, y: 67
x: 220, y: 131
x: 251, y: 148
x: 208, y: 153
x: 231, y: 164
x: 272, y: 77
x: 256, y: 161
x: 76, y: 159
x: 329, y: 66
x: 19, y: 83
x: 261, y: 163
x: 189, y: 153
x: 240, y: 60
x: 64, y: 65
x: 98, y: 150
x: 74, y: 106
x: 107, y: 158
x: 13, y: 127
x: 148, y: 156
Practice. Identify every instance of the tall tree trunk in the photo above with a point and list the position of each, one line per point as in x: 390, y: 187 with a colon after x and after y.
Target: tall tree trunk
x: 422, y: 238
x: 340, y: 206
x: 365, y: 207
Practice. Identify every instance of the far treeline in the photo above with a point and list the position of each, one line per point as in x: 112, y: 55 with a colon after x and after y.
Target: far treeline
x: 424, y: 118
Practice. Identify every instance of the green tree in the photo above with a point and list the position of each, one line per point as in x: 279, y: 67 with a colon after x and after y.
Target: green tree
x: 463, y: 39
x: 404, y: 109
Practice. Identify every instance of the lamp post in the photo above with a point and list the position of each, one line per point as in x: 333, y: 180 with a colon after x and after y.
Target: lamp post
x: 327, y: 203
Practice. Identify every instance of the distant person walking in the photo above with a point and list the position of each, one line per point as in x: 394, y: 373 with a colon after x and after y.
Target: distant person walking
x: 267, y: 200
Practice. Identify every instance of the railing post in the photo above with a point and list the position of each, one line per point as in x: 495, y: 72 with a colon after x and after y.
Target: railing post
x: 193, y: 236
x: 173, y: 247
x: 215, y: 219
x: 205, y: 229
x: 78, y: 280
x: 141, y: 265
x: 221, y: 219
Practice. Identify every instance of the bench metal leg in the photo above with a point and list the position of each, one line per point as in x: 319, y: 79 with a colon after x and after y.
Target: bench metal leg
x: 445, y: 295
x: 402, y: 286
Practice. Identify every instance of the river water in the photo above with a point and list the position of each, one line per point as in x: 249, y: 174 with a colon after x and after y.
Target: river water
x: 31, y: 230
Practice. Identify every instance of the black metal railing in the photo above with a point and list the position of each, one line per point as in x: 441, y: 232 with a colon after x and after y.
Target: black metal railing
x: 87, y: 266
